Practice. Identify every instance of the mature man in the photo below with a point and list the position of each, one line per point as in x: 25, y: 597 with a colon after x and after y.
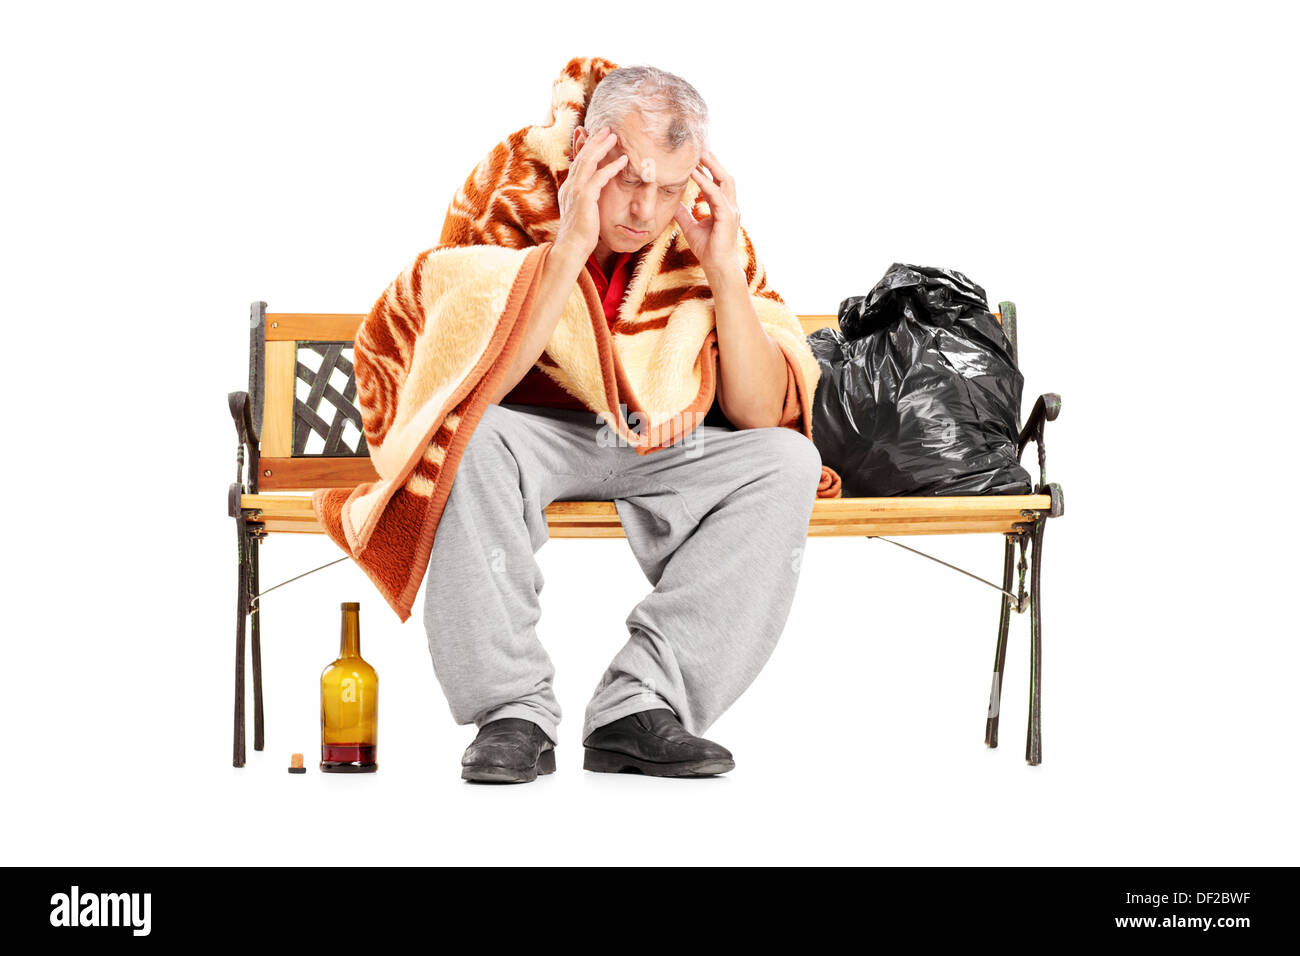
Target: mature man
x: 716, y: 521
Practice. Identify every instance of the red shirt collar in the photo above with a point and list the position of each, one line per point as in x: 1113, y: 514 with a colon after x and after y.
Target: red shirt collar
x: 611, y: 288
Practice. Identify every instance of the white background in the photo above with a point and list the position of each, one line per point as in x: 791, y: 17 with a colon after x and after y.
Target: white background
x: 1124, y: 172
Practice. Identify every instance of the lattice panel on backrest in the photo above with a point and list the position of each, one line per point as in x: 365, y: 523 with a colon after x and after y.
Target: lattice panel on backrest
x: 326, y: 420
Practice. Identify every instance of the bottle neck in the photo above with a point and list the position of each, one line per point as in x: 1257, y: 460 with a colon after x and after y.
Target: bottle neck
x: 350, y: 638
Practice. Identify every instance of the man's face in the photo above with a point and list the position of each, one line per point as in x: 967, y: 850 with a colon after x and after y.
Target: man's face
x: 644, y: 194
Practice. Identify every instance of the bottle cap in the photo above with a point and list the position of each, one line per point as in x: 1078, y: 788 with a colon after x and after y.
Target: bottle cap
x: 295, y: 764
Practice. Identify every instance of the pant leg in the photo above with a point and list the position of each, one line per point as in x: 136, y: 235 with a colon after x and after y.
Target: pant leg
x: 483, y: 583
x: 718, y: 524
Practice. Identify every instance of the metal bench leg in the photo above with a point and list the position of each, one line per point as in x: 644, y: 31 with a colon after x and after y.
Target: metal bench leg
x: 1000, y: 649
x: 241, y: 612
x: 249, y: 531
x: 1034, y: 738
x: 259, y: 732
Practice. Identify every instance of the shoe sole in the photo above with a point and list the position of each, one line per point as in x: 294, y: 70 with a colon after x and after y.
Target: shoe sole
x: 606, y: 761
x: 491, y: 774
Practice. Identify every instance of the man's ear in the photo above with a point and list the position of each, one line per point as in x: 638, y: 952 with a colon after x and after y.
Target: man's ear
x: 574, y: 144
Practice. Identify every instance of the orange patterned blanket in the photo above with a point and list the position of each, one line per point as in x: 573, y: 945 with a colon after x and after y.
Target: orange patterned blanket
x: 436, y: 344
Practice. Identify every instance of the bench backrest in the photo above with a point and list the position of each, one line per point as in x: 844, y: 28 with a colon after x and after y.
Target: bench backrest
x: 303, y: 391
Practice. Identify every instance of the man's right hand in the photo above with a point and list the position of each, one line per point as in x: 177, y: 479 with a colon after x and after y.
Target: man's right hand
x: 579, y: 228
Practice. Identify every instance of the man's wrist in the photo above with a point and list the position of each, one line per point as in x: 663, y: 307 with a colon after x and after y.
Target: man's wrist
x: 568, y: 255
x: 730, y: 274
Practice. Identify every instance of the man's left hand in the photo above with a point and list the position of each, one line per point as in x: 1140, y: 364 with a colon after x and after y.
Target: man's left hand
x: 713, y: 240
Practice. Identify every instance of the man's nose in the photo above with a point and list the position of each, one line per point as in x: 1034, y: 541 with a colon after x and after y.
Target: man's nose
x: 643, y: 202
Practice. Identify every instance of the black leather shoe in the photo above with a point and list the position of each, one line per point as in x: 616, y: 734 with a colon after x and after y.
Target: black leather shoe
x: 653, y: 742
x: 509, y: 750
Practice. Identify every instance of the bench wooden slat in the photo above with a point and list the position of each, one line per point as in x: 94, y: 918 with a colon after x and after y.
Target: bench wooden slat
x: 277, y: 420
x: 342, y: 327
x: 967, y: 514
x: 308, y: 474
x: 312, y: 326
x: 855, y: 508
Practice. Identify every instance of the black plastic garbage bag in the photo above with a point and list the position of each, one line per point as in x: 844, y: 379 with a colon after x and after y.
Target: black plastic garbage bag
x: 919, y: 395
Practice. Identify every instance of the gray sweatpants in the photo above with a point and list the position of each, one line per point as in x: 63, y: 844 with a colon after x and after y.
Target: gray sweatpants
x: 717, y: 522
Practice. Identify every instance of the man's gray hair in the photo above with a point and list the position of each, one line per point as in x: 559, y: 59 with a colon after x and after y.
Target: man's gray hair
x: 672, y: 110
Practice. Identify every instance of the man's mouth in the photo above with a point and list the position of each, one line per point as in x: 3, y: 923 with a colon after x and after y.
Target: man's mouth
x: 635, y: 232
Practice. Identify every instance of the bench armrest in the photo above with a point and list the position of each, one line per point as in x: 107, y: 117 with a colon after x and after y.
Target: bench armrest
x: 241, y: 410
x: 1046, y: 409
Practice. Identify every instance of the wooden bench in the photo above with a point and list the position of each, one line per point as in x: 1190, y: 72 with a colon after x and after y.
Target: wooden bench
x: 299, y: 429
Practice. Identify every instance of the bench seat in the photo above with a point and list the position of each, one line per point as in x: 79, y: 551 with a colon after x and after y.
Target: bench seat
x: 831, y: 517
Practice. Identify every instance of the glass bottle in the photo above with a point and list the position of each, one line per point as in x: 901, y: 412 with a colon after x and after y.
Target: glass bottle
x: 349, y: 704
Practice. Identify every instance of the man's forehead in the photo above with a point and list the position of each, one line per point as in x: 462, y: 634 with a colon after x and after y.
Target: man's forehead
x: 649, y: 169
